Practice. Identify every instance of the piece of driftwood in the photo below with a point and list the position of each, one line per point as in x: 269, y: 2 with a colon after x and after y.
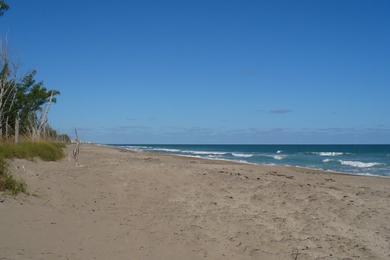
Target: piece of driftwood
x: 17, y: 124
x: 295, y: 253
x: 76, y: 150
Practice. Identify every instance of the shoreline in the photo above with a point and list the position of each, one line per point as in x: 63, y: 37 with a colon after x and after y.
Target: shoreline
x: 244, y: 162
x: 122, y: 204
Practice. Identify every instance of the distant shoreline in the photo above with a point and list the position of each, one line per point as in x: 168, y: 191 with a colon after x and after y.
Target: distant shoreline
x: 120, y: 146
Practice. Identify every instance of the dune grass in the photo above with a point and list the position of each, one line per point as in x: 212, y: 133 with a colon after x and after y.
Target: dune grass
x: 43, y: 150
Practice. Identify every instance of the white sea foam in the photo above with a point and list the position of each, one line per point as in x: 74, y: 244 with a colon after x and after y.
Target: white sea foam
x: 359, y: 164
x: 134, y: 148
x: 329, y: 153
x: 191, y: 156
x: 211, y: 157
x: 327, y: 160
x: 214, y: 156
x: 245, y: 155
x: 279, y: 151
x: 204, y: 152
x: 166, y: 150
x: 279, y: 157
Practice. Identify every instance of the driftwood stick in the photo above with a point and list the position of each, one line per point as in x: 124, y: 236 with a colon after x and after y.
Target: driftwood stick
x: 295, y: 253
x: 17, y: 121
x: 76, y: 150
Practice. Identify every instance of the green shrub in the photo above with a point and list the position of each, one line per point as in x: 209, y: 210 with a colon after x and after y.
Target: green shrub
x: 8, y: 182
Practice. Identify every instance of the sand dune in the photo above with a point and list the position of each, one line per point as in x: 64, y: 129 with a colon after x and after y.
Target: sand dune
x: 128, y: 205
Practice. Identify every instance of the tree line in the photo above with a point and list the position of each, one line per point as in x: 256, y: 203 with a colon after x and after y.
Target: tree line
x: 24, y: 101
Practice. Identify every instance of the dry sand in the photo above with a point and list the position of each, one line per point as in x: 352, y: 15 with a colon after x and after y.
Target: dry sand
x: 128, y: 205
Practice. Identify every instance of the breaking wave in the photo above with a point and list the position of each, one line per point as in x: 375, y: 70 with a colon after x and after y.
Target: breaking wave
x: 359, y: 164
x: 245, y: 155
x: 279, y: 157
x: 166, y: 150
x: 328, y: 153
x: 204, y: 152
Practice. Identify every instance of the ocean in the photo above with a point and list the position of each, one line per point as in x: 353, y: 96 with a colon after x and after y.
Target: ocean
x: 350, y: 159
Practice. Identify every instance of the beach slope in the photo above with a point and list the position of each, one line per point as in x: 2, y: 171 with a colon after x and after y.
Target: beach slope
x: 134, y: 205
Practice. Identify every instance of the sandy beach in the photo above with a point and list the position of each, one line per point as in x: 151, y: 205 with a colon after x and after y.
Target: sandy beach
x: 137, y: 205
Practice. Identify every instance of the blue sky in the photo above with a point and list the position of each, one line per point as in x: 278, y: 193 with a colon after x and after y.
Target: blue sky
x: 210, y: 71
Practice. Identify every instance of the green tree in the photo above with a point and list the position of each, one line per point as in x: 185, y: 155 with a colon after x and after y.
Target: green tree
x: 25, y: 103
x: 31, y: 97
x: 3, y: 7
